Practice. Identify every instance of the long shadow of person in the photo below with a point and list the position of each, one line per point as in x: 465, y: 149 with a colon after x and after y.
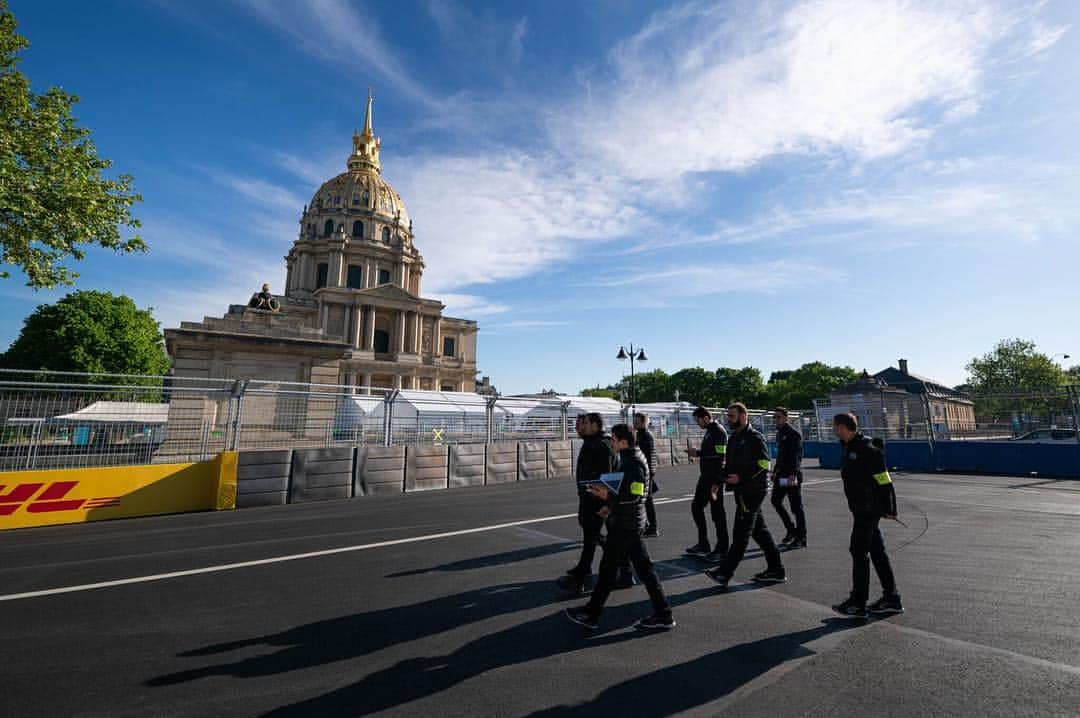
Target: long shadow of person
x: 495, y: 559
x: 416, y: 678
x: 688, y: 685
x: 345, y: 637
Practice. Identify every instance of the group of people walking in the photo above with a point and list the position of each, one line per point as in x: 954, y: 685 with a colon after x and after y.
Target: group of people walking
x: 616, y: 478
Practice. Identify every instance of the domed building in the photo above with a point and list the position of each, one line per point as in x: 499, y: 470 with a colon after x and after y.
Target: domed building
x: 352, y: 311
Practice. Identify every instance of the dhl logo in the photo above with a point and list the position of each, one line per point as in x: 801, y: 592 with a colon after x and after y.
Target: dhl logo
x: 52, y: 498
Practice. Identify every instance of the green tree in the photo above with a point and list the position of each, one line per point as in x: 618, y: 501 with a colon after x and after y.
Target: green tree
x: 745, y: 385
x: 1073, y: 374
x: 54, y: 200
x: 1013, y: 364
x: 695, y: 385
x: 89, y: 331
x: 601, y: 392
x: 798, y: 388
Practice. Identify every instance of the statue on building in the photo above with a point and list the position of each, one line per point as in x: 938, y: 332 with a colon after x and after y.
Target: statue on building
x: 264, y: 300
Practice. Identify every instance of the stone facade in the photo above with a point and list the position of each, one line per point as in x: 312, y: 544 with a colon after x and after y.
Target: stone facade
x: 352, y: 312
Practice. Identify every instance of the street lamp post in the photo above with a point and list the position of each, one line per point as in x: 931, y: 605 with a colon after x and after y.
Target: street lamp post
x: 632, y: 355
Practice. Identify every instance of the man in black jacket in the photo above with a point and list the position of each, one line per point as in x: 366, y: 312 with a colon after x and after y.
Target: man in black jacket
x: 711, y: 458
x: 871, y: 497
x: 625, y: 512
x: 594, y: 458
x: 787, y: 479
x: 748, y: 474
x: 647, y: 443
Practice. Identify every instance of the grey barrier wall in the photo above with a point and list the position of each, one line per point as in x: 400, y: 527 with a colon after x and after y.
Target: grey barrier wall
x: 426, y: 467
x: 532, y: 460
x: 662, y: 451
x: 468, y: 464
x: 294, y: 476
x: 679, y: 454
x: 502, y: 462
x: 321, y: 474
x: 262, y: 478
x: 379, y: 470
x: 558, y: 458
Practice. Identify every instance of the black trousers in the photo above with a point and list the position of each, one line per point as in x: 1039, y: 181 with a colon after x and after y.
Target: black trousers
x: 621, y: 545
x: 591, y: 525
x: 868, y: 545
x: 749, y: 522
x: 794, y: 495
x: 703, y: 496
x: 650, y: 511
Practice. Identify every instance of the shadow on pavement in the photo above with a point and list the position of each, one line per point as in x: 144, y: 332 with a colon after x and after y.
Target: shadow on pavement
x: 688, y: 685
x: 495, y: 559
x: 417, y: 678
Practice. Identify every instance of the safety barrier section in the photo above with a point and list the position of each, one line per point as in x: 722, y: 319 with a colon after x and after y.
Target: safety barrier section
x: 502, y: 462
x: 379, y: 470
x: 1058, y: 460
x: 426, y: 467
x: 558, y: 458
x: 66, y: 496
x: 321, y: 474
x: 468, y: 464
x: 262, y: 478
x: 532, y: 460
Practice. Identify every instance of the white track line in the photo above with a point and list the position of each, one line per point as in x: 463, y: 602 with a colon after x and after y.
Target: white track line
x: 309, y: 554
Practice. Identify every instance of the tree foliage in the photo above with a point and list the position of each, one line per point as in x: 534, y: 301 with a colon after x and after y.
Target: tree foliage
x: 89, y: 331
x: 795, y: 388
x: 54, y: 200
x: 1013, y: 364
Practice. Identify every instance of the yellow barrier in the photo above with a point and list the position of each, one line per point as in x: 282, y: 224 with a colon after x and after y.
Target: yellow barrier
x: 65, y: 496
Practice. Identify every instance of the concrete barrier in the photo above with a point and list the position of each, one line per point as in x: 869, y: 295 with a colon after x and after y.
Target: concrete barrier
x: 532, y: 460
x: 468, y: 464
x: 262, y: 478
x: 1059, y: 460
x: 321, y: 474
x: 502, y: 462
x: 663, y: 453
x: 679, y: 452
x: 426, y: 467
x: 379, y: 470
x: 559, y: 458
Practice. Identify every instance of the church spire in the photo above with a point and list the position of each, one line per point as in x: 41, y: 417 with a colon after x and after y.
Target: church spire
x: 365, y: 153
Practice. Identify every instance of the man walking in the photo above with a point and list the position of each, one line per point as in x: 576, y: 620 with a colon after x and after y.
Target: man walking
x: 711, y: 457
x: 594, y: 458
x: 748, y: 474
x: 787, y: 479
x: 625, y: 510
x: 871, y: 497
x: 647, y: 443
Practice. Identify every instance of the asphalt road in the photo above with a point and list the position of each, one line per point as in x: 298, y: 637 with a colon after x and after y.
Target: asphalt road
x: 411, y: 617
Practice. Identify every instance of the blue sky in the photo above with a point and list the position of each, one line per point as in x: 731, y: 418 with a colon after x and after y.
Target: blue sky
x: 726, y: 184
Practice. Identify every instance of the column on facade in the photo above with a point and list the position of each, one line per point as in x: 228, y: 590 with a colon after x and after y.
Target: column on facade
x: 288, y: 276
x: 305, y: 279
x: 337, y: 259
x: 418, y: 328
x: 400, y: 338
x: 397, y: 381
x: 402, y: 271
x: 322, y: 315
x: 367, y: 383
x: 367, y: 283
x: 357, y: 326
x: 369, y: 340
x: 436, y: 339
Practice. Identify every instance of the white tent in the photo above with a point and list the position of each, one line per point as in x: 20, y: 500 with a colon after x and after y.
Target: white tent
x: 116, y: 412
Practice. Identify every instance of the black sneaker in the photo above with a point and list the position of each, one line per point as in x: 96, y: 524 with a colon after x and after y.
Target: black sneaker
x: 626, y: 579
x: 773, y: 575
x: 721, y: 579
x: 886, y: 606
x: 788, y: 538
x: 698, y: 550
x: 651, y: 532
x: 714, y: 556
x: 582, y: 618
x: 656, y: 622
x: 578, y: 572
x: 573, y: 584
x: 851, y: 609
x: 797, y: 542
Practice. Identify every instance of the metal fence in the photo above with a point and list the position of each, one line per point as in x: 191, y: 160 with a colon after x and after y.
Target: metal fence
x: 1049, y: 414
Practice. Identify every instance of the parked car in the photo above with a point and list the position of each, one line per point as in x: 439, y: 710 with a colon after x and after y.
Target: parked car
x: 1047, y: 435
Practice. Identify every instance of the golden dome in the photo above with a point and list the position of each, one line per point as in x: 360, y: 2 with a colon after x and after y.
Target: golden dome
x: 360, y: 193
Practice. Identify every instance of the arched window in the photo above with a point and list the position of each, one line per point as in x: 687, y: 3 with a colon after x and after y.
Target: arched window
x: 358, y: 229
x: 328, y: 228
x: 386, y: 234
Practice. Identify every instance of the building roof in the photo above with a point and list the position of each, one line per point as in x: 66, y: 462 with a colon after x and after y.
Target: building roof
x: 915, y: 384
